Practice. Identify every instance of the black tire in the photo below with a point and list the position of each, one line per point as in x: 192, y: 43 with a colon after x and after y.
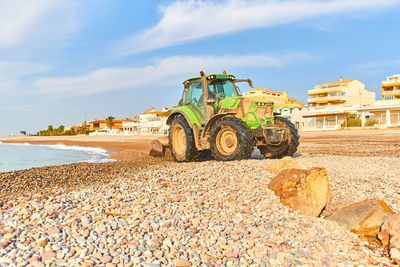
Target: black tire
x: 244, y: 141
x: 182, y: 151
x: 287, y: 148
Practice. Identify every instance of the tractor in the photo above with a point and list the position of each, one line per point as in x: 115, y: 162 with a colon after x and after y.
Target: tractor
x: 214, y: 118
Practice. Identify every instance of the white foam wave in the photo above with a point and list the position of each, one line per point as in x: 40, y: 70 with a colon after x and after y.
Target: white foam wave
x: 97, y: 155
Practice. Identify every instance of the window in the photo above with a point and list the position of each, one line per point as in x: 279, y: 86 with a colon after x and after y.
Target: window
x: 223, y: 88
x: 195, y: 92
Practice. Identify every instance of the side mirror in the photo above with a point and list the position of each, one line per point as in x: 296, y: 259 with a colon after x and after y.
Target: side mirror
x: 180, y: 103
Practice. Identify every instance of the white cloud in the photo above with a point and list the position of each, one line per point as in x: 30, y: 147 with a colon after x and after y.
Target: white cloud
x: 183, y: 21
x: 11, y: 73
x: 36, y: 21
x: 169, y: 70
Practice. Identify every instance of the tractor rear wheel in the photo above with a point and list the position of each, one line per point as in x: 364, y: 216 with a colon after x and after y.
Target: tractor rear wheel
x: 287, y: 148
x: 230, y: 139
x: 181, y: 140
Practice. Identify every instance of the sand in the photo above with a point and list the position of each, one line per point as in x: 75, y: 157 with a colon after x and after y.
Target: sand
x: 141, y: 210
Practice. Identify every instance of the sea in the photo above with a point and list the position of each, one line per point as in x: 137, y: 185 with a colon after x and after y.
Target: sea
x: 19, y: 156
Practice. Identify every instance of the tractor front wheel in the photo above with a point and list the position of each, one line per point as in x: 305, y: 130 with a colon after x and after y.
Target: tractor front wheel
x: 230, y: 139
x: 181, y: 140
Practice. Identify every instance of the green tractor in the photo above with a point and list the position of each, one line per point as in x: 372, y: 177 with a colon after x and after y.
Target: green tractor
x: 213, y: 116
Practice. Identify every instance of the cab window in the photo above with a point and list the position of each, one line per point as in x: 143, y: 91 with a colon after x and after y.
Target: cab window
x: 195, y: 92
x: 222, y: 88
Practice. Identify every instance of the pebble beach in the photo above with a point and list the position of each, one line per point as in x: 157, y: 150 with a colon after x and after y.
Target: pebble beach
x: 144, y: 211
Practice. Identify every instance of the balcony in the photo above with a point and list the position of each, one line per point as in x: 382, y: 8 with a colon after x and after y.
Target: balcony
x: 326, y: 99
x: 391, y: 81
x: 324, y: 90
x: 391, y: 92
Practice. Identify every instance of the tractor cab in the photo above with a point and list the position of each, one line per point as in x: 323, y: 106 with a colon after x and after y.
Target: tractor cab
x: 204, y: 93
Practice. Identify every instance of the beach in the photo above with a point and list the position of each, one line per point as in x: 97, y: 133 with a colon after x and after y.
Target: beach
x: 142, y: 210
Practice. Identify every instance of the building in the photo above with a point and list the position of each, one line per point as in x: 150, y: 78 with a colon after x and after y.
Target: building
x: 102, y: 124
x: 150, y: 122
x: 340, y: 93
x: 391, y: 88
x: 383, y: 113
x: 117, y: 128
x: 288, y: 107
x: 281, y: 100
x: 130, y: 126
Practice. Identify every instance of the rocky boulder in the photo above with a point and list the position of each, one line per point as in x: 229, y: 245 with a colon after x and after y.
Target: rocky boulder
x: 365, y: 217
x: 284, y: 164
x: 305, y: 190
x: 390, y: 237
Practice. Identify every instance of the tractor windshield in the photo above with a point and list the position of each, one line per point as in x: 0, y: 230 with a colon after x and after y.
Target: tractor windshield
x: 222, y: 88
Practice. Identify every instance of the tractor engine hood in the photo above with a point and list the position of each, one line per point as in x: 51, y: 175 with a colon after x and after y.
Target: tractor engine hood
x: 254, y: 111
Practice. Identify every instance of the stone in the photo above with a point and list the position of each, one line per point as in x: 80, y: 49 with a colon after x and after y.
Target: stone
x: 305, y: 190
x: 365, y: 217
x: 389, y: 235
x: 47, y: 256
x: 106, y: 259
x: 53, y: 231
x: 182, y: 263
x: 395, y: 255
x: 284, y: 164
x: 42, y: 243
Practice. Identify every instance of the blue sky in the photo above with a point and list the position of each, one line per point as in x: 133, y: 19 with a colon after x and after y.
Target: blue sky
x: 64, y: 61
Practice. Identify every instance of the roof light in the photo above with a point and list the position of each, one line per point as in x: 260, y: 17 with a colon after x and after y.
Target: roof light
x: 224, y: 72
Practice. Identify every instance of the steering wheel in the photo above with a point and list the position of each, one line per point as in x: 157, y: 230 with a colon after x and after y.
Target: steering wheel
x: 220, y: 96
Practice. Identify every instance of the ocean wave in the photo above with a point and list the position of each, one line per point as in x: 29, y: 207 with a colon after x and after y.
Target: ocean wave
x: 96, y: 155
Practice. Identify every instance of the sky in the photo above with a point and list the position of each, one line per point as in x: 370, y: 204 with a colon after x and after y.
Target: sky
x: 66, y: 61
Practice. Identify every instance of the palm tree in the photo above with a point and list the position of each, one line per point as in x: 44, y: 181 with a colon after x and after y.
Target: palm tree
x: 110, y: 121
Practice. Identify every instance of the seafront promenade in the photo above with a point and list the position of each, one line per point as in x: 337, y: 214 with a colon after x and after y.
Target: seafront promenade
x: 141, y: 210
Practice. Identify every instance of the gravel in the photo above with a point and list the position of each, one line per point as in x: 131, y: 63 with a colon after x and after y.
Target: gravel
x: 204, y: 213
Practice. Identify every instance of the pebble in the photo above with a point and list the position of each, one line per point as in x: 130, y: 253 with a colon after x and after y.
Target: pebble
x: 189, y: 214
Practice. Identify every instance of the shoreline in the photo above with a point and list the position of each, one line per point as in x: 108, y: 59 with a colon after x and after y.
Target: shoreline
x: 112, y: 144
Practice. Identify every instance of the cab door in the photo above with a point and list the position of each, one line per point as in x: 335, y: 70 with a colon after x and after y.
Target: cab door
x: 195, y: 100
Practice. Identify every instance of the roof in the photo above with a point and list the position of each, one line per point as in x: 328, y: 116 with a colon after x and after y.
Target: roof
x: 264, y: 91
x: 127, y: 119
x: 213, y: 76
x: 331, y: 113
x: 149, y: 110
x: 105, y: 121
x: 339, y: 82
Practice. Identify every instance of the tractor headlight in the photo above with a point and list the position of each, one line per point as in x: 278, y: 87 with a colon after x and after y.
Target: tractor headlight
x: 261, y: 104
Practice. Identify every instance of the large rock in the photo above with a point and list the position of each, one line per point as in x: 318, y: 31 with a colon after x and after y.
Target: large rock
x: 365, y: 217
x: 305, y: 190
x: 284, y: 164
x: 390, y: 237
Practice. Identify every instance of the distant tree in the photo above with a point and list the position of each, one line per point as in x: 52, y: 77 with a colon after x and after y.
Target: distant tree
x: 50, y: 128
x: 70, y: 132
x: 23, y: 132
x: 110, y: 121
x: 352, y: 120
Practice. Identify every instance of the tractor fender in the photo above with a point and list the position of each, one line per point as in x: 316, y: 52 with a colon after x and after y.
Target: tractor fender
x: 191, y: 119
x: 185, y: 112
x: 213, y: 121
